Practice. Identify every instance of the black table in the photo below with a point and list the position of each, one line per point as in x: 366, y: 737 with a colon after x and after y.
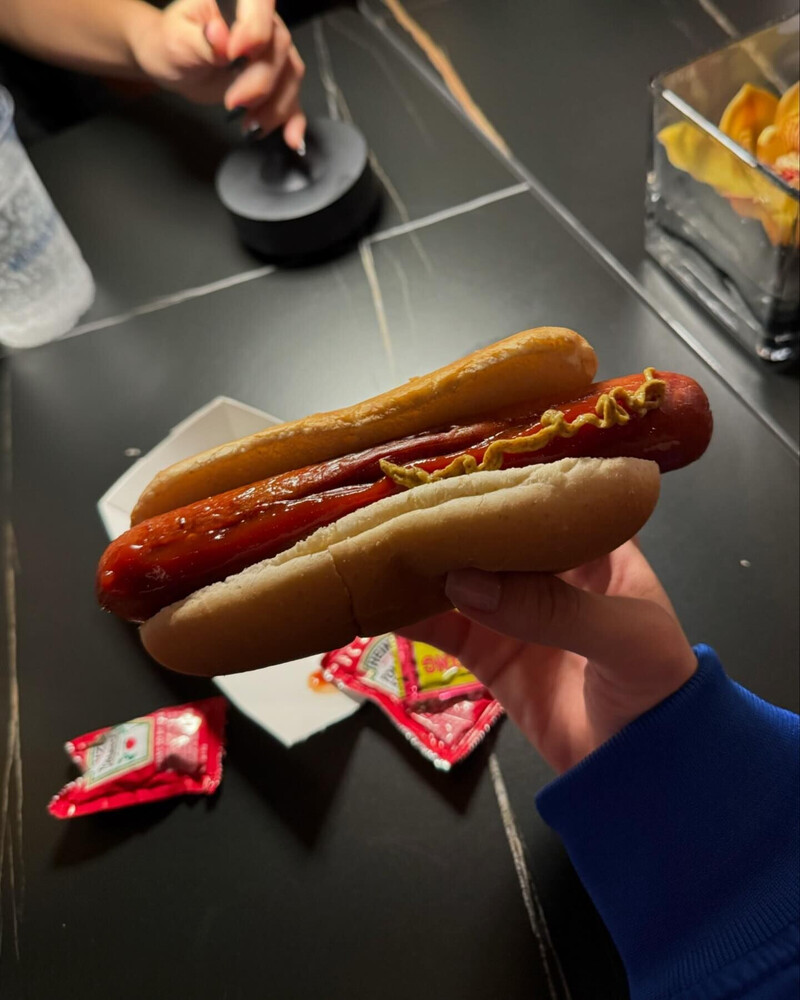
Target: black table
x: 566, y: 87
x: 346, y: 866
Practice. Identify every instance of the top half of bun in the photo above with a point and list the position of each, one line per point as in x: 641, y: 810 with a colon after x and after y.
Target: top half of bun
x: 545, y: 362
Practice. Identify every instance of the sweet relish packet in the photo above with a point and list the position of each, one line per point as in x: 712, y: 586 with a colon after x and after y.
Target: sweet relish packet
x: 438, y: 705
x: 172, y: 751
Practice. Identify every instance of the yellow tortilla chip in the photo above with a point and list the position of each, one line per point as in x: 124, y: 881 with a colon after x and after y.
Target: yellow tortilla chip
x: 760, y: 123
x: 691, y: 150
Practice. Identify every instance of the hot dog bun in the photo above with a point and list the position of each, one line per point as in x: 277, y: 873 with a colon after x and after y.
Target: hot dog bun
x: 546, y: 362
x: 383, y: 567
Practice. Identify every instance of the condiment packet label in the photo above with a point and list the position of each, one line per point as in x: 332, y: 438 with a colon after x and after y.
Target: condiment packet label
x: 413, y: 671
x: 440, y: 707
x: 172, y: 751
x: 434, y: 674
x: 123, y: 748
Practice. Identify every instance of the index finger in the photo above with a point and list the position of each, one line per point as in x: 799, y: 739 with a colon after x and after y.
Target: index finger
x: 252, y: 30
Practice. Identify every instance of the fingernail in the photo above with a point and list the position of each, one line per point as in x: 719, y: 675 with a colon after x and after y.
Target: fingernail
x: 301, y: 149
x: 472, y: 588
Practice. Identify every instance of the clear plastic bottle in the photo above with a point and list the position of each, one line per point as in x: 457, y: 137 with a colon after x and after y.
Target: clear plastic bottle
x: 45, y: 284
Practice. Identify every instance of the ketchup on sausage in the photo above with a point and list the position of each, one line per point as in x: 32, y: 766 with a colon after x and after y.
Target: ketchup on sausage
x: 168, y: 557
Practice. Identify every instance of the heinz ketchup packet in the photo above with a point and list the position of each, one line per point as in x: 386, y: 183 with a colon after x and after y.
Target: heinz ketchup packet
x: 172, y: 751
x: 438, y: 705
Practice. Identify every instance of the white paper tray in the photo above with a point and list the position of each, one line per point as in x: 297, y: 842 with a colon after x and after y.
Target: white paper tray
x: 278, y: 698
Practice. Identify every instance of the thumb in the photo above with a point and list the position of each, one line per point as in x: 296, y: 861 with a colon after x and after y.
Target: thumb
x: 253, y: 28
x: 628, y: 639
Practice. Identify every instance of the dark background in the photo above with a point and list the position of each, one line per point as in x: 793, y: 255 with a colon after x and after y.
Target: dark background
x: 347, y: 866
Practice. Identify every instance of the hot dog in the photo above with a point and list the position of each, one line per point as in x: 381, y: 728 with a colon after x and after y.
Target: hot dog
x: 547, y: 362
x: 578, y: 458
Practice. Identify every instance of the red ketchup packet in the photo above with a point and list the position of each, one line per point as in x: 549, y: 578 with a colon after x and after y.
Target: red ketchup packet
x: 172, y: 751
x: 438, y: 705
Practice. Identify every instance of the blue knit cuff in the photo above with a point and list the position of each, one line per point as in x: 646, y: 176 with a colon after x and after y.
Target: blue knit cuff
x: 684, y: 829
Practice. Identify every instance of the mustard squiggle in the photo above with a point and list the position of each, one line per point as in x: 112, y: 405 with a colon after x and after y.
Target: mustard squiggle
x: 614, y: 408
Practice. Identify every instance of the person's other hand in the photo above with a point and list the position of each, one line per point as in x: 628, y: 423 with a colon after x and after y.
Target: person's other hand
x: 189, y: 48
x: 572, y: 659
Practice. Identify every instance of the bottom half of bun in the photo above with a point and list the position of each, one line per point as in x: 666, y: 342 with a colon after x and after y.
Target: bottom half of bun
x: 384, y: 567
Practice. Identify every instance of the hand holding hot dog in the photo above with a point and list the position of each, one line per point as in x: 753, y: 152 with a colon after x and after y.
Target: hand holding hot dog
x: 300, y: 537
x: 572, y: 660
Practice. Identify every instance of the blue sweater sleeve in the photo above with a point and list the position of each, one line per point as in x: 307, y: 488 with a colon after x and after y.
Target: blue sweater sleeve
x: 684, y: 828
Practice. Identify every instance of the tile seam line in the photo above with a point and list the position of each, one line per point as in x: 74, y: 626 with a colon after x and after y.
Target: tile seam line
x: 579, y: 232
x: 172, y: 299
x: 536, y: 918
x: 244, y: 277
x: 11, y: 772
x: 719, y: 17
x: 404, y: 228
